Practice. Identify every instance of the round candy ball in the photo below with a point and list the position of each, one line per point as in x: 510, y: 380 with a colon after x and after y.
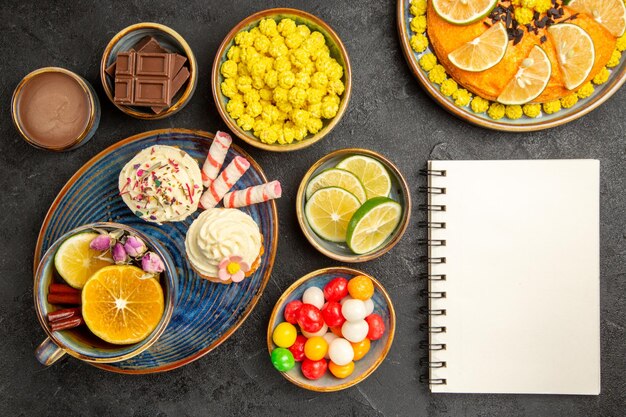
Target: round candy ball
x: 336, y: 289
x: 344, y: 299
x: 329, y: 337
x: 313, y: 296
x: 282, y: 359
x: 310, y: 318
x: 320, y: 332
x: 332, y: 314
x: 291, y: 311
x: 355, y: 331
x: 369, y: 306
x: 361, y: 287
x: 353, y: 310
x: 336, y: 331
x: 340, y: 351
x: 341, y: 371
x: 314, y: 369
x: 315, y: 348
x: 376, y: 326
x: 297, y: 349
x: 360, y: 349
x: 284, y: 334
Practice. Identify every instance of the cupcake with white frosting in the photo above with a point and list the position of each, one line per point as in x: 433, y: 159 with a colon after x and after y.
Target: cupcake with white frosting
x: 161, y: 184
x: 224, y: 245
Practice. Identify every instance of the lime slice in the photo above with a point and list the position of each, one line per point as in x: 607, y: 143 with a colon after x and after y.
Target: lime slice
x: 335, y: 177
x: 609, y: 13
x: 530, y: 80
x: 76, y: 262
x: 372, y: 174
x: 463, y: 12
x: 372, y: 224
x: 574, y: 51
x: 328, y: 212
x: 483, y: 52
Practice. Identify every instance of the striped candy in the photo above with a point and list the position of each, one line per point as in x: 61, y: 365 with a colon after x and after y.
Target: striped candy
x: 253, y: 195
x: 224, y: 182
x: 215, y: 158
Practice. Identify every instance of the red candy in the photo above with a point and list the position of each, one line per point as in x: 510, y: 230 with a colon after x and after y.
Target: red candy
x: 291, y: 311
x: 314, y: 369
x: 332, y: 314
x: 376, y: 326
x: 310, y: 318
x: 297, y: 349
x: 336, y: 289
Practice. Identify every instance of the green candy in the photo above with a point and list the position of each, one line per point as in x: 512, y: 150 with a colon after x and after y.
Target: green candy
x: 282, y: 359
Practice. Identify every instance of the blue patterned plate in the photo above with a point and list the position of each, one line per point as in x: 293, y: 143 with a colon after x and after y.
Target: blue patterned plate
x: 205, y: 314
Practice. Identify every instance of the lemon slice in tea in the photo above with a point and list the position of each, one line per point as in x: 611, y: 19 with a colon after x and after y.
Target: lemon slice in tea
x: 75, y: 261
x: 463, y: 12
x: 574, y: 51
x: 530, y: 80
x: 328, y: 212
x: 372, y: 224
x: 372, y: 174
x: 121, y: 306
x: 483, y: 52
x: 335, y: 177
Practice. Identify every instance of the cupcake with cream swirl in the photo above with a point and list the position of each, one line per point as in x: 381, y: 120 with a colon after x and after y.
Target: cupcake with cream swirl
x: 161, y: 184
x: 224, y: 245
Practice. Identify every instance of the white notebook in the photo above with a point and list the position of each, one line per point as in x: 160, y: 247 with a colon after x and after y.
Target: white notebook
x: 514, y: 260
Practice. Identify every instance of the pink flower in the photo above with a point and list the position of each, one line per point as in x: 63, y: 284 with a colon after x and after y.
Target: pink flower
x: 152, y: 263
x: 232, y: 268
x: 101, y: 242
x: 134, y: 246
x: 119, y: 254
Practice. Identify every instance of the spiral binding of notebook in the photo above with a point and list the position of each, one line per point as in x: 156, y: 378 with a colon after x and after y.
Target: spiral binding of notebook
x: 436, y: 276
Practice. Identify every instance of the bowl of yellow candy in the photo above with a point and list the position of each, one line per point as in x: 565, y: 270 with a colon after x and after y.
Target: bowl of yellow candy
x: 281, y: 79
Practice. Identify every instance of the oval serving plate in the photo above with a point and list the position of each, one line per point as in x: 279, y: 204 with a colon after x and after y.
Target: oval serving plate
x: 525, y: 124
x: 205, y: 314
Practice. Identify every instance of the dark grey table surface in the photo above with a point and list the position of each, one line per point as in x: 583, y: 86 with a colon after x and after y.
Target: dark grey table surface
x: 388, y: 113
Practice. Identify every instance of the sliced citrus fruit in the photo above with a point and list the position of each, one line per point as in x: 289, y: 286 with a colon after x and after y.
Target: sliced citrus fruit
x: 328, y: 212
x: 336, y: 177
x: 372, y: 224
x: 609, y: 13
x: 463, y: 12
x: 483, y: 52
x: 372, y: 174
x: 530, y: 80
x: 120, y: 305
x: 75, y: 261
x: 574, y: 51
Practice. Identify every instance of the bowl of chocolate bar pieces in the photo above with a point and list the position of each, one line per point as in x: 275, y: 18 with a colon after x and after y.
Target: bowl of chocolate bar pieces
x: 148, y: 71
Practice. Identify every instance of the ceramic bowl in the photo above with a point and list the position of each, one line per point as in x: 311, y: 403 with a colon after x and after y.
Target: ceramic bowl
x: 170, y: 40
x: 337, y: 51
x: 80, y: 342
x: 378, y: 350
x: 340, y: 251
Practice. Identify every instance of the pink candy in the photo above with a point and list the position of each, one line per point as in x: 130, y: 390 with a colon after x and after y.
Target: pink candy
x: 253, y: 195
x: 215, y: 158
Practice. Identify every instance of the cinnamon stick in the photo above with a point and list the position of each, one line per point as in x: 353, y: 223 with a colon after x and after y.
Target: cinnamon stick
x: 62, y: 289
x: 65, y: 313
x: 72, y: 299
x: 66, y: 323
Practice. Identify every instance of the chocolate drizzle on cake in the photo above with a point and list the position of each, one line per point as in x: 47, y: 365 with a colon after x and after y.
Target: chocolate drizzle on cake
x: 505, y: 12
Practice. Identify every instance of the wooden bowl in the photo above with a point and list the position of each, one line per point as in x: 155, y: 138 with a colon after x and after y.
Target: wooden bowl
x: 340, y: 251
x: 378, y: 350
x: 337, y: 51
x: 170, y: 40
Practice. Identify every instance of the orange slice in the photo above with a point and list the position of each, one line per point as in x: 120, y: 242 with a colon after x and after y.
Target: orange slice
x: 483, y: 52
x: 574, y: 51
x: 530, y: 80
x: 463, y: 12
x: 120, y: 305
x: 609, y: 13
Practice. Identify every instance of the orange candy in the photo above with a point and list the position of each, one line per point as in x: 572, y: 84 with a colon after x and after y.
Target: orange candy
x: 336, y: 330
x: 315, y: 348
x: 341, y: 371
x: 361, y: 287
x: 361, y: 348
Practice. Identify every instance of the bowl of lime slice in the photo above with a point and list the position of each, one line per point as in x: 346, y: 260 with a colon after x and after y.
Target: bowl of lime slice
x: 353, y: 205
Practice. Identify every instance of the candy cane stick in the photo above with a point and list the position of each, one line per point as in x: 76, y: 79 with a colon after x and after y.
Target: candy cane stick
x: 253, y: 195
x: 224, y: 182
x: 215, y: 158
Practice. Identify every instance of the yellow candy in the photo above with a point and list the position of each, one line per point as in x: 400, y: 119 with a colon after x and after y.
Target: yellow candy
x: 284, y: 106
x: 419, y: 42
x: 303, y: 80
x: 286, y: 79
x: 244, y: 39
x: 513, y: 112
x: 286, y: 27
x: 532, y: 110
x: 246, y: 122
x: 280, y: 94
x: 260, y: 125
x: 552, y: 106
x: 234, y: 53
x: 271, y: 79
x: 314, y: 125
x: 336, y: 87
x: 268, y: 27
x: 229, y: 69
x: 335, y: 71
x: 315, y: 110
x: 265, y: 94
x: 254, y: 109
x: 303, y: 30
x: 319, y: 80
x: 299, y: 117
x: 315, y: 95
x: 235, y: 108
x: 294, y: 40
x: 329, y: 110
x: 229, y: 87
x: 258, y: 83
x: 299, y: 57
x: 251, y: 96
x: 297, y: 96
x: 282, y: 63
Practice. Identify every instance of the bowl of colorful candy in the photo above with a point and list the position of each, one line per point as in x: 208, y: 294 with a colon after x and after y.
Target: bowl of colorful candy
x: 281, y: 79
x: 331, y: 329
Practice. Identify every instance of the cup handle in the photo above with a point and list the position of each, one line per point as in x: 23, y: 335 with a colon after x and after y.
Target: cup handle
x: 48, y: 352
